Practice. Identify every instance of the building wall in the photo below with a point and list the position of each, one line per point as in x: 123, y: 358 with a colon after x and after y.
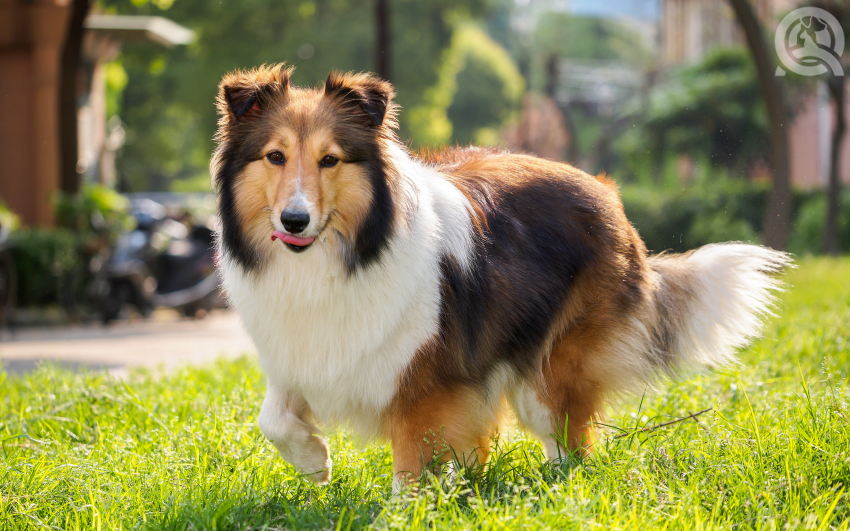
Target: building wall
x: 31, y: 36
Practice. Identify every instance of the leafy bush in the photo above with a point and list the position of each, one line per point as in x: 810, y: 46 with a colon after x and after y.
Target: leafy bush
x: 807, y: 234
x: 712, y: 110
x: 95, y: 208
x: 475, y: 69
x: 682, y: 219
x: 9, y: 221
x: 725, y: 210
x: 44, y: 258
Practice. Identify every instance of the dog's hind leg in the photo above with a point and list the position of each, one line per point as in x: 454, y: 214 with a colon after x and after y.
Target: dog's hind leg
x: 284, y: 420
x: 560, y: 406
x: 437, y: 429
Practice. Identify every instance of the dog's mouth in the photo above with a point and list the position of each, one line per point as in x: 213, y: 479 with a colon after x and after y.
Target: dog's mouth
x: 293, y: 242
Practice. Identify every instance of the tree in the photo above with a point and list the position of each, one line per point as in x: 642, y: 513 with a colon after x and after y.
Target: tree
x: 836, y: 86
x: 167, y: 105
x: 382, y: 16
x: 478, y: 89
x: 712, y: 110
x: 777, y: 222
x: 69, y: 72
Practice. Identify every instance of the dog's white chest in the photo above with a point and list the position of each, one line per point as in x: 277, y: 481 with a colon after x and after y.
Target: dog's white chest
x: 340, y: 341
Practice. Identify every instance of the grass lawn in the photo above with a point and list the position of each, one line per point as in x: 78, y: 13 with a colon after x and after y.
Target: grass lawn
x: 182, y: 451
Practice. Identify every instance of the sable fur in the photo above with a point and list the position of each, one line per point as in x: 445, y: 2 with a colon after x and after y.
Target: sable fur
x: 443, y: 285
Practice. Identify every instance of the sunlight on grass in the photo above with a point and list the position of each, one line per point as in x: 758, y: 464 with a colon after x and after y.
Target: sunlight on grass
x: 182, y: 451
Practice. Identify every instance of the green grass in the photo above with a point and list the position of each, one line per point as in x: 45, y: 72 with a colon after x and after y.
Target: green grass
x: 182, y: 451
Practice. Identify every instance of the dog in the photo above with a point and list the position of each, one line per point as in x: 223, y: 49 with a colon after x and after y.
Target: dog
x: 411, y: 296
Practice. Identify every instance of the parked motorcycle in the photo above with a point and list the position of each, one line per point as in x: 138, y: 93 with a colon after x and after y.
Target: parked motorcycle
x: 161, y: 263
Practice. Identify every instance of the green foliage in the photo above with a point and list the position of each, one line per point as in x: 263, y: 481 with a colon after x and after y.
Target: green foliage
x: 182, y: 450
x: 576, y: 37
x: 167, y: 104
x: 686, y: 217
x: 807, y: 234
x: 717, y: 209
x: 94, y: 209
x: 116, y: 81
x: 712, y: 110
x: 44, y: 258
x: 9, y: 221
x: 478, y: 90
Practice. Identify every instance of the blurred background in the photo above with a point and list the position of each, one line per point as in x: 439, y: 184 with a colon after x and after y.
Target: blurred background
x: 107, y: 123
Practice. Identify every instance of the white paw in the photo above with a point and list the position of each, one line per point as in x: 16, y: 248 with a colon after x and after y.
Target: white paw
x: 323, y: 476
x: 312, y: 458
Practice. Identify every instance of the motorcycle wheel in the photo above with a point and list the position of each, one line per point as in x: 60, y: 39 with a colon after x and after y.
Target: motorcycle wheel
x: 115, y: 301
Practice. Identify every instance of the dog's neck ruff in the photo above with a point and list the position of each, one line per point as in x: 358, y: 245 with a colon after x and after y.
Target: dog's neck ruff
x: 343, y: 340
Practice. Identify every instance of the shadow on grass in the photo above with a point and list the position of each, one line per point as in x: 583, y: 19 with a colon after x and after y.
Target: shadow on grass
x: 24, y: 366
x: 355, y: 502
x: 305, y: 507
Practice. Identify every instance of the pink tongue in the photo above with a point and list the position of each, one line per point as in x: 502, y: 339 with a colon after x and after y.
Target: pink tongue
x: 290, y: 239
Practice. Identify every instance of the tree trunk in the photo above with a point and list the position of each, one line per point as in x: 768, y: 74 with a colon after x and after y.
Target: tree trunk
x: 777, y: 219
x: 68, y: 71
x: 831, y: 245
x: 383, y: 22
x: 569, y: 124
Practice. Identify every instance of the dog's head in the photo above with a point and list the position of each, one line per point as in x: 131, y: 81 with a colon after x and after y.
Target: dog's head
x: 304, y: 166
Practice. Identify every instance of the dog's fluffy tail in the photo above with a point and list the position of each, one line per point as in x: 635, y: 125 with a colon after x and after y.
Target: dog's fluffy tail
x: 710, y: 302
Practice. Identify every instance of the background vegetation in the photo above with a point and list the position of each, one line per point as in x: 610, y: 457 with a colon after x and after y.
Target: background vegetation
x: 167, y: 98
x: 689, y: 149
x: 182, y: 451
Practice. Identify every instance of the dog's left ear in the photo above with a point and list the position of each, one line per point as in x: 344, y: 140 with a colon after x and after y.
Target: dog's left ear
x: 363, y: 94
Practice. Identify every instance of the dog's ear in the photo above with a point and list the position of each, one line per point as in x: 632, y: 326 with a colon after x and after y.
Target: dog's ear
x: 244, y: 93
x: 363, y: 95
x: 240, y: 99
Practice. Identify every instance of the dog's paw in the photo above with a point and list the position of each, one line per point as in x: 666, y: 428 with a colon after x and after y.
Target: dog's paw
x: 322, y: 477
x: 314, y: 461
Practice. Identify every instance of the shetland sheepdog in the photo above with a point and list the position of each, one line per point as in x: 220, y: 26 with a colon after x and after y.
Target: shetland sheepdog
x: 412, y: 296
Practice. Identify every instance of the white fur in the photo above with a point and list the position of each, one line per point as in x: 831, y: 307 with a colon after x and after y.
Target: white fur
x: 282, y: 422
x: 731, y: 289
x: 734, y: 292
x: 341, y: 342
x: 535, y: 417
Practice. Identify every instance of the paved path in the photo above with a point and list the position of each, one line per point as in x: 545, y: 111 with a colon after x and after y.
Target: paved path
x: 164, y: 340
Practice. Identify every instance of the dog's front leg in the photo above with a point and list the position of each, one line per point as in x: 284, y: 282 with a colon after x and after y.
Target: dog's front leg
x: 283, y: 421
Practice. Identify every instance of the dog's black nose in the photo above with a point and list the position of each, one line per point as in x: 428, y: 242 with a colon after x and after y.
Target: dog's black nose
x: 294, y: 222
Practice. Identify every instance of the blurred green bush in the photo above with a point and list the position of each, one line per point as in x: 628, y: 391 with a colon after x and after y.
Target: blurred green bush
x: 725, y: 210
x: 474, y: 69
x: 95, y: 209
x: 8, y: 220
x: 47, y: 258
x: 44, y: 258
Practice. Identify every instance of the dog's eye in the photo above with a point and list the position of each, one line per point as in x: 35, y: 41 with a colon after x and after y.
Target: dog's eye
x: 275, y: 157
x: 328, y: 161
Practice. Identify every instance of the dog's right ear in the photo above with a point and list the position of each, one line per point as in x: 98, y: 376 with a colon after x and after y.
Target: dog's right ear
x: 241, y: 99
x: 244, y: 93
